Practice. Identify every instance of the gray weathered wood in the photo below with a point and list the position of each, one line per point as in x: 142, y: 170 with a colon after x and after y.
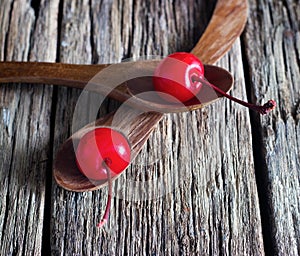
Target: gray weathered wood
x: 208, y: 210
x: 273, y: 57
x: 25, y: 127
x: 213, y: 185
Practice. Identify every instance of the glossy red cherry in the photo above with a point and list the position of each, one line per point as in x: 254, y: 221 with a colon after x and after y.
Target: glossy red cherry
x: 181, y: 76
x: 173, y: 77
x: 101, y: 154
x: 99, y: 148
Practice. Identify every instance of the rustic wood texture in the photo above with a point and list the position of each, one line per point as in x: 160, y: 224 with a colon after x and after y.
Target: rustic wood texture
x: 273, y: 60
x: 25, y: 128
x: 227, y: 180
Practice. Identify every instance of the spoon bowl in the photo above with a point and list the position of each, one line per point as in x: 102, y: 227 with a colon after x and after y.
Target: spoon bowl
x: 65, y: 170
x: 148, y: 99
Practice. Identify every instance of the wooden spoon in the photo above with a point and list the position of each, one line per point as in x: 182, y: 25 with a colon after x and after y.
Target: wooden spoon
x: 226, y: 25
x: 122, y: 81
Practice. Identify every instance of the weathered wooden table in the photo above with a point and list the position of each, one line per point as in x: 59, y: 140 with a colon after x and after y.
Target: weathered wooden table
x: 237, y: 188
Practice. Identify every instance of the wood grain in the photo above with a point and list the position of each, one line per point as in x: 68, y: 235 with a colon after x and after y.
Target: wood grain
x: 214, y: 181
x: 191, y: 216
x: 273, y: 60
x: 25, y: 128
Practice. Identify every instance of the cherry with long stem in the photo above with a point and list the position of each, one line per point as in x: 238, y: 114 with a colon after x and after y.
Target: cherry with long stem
x: 262, y: 109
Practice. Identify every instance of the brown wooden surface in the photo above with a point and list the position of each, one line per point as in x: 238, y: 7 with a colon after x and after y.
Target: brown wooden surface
x: 231, y: 177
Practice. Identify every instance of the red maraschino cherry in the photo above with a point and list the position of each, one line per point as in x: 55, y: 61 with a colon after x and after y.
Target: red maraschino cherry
x: 102, y: 145
x: 180, y: 76
x: 174, y: 74
x: 101, y: 154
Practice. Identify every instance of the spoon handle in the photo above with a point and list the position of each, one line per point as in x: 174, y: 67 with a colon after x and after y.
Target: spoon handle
x: 70, y: 75
x: 226, y: 25
x: 106, y: 79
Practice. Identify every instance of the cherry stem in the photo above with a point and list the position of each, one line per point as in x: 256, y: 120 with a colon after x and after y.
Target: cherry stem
x: 264, y: 109
x: 108, y: 203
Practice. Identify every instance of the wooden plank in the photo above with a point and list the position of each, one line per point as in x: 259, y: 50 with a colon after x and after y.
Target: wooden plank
x: 208, y: 201
x: 72, y: 214
x: 25, y: 127
x: 273, y: 57
x: 212, y: 208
